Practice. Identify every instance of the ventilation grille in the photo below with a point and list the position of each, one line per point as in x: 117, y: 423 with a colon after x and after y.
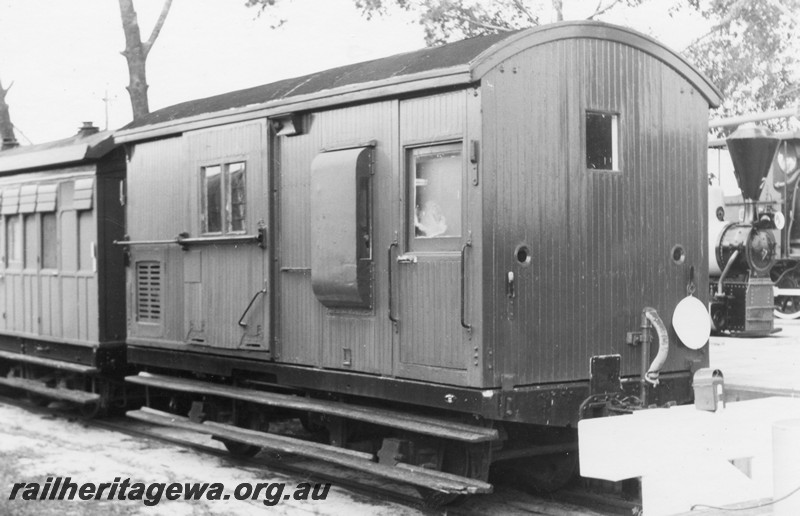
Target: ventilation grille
x: 148, y: 291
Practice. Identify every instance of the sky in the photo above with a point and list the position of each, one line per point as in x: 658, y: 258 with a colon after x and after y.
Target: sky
x: 63, y: 56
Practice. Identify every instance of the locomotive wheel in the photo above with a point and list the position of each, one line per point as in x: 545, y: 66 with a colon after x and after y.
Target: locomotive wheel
x: 455, y: 460
x: 252, y: 421
x: 787, y: 307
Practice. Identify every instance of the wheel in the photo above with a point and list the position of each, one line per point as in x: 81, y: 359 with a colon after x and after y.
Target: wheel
x: 455, y: 460
x: 38, y: 400
x: 550, y: 473
x: 252, y: 421
x: 787, y: 307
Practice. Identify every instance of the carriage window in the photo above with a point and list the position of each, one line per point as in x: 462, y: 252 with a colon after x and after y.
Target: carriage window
x: 223, y: 198
x: 602, y: 147
x: 30, y: 254
x: 49, y: 255
x: 86, y: 240
x: 14, y: 240
x: 436, y: 191
x: 212, y: 199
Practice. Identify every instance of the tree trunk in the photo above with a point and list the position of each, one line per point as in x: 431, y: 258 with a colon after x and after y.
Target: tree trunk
x: 136, y: 53
x: 558, y: 7
x: 6, y: 127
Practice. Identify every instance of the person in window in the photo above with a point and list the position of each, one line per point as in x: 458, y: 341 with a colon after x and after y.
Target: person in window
x: 429, y: 221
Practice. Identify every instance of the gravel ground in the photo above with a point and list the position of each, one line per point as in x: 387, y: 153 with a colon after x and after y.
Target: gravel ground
x: 34, y: 447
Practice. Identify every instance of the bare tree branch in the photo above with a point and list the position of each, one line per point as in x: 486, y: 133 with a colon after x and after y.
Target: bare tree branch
x: 157, y: 28
x: 599, y: 12
x: 475, y: 21
x: 733, y: 12
x: 524, y: 10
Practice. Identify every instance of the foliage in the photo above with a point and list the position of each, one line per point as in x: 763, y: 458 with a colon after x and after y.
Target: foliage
x: 750, y: 53
x: 450, y: 20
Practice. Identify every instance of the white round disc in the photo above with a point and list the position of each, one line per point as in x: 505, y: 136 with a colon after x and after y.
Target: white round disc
x: 691, y: 322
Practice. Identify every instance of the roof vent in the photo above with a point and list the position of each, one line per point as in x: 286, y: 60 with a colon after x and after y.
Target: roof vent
x: 88, y: 128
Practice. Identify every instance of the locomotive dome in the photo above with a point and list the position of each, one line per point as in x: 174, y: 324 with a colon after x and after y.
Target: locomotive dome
x: 454, y: 64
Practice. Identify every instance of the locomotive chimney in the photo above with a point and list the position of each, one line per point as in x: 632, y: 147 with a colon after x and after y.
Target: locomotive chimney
x: 87, y: 129
x: 752, y: 149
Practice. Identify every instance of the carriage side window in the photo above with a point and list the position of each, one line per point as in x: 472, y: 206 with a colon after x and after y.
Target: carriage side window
x: 49, y: 240
x: 602, y: 141
x: 14, y: 240
x: 436, y: 172
x: 223, y: 200
x: 30, y: 254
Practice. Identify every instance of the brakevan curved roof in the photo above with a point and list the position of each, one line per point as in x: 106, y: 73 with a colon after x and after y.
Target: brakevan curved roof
x: 459, y: 63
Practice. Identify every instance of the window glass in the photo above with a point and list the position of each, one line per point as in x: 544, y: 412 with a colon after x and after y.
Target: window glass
x: 49, y: 241
x: 31, y: 254
x: 14, y: 239
x: 235, y: 197
x: 68, y: 226
x: 601, y: 141
x: 437, y: 175
x: 212, y: 199
x: 85, y: 240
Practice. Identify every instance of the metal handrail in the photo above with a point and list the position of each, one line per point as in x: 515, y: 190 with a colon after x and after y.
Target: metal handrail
x: 389, y: 266
x: 250, y: 305
x: 464, y: 324
x: 186, y: 241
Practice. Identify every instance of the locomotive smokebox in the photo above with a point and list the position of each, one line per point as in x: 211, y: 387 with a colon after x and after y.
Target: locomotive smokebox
x: 752, y: 149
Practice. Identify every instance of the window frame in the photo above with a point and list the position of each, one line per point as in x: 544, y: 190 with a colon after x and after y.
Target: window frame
x: 47, y: 243
x: 15, y: 260
x: 226, y: 199
x: 436, y: 244
x: 615, y: 139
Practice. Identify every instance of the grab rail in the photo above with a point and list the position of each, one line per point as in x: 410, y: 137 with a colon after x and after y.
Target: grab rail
x: 186, y: 241
x: 468, y: 243
x: 389, y: 267
x: 250, y: 305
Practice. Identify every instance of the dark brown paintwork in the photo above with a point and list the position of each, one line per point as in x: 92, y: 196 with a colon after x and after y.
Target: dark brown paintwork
x: 600, y: 242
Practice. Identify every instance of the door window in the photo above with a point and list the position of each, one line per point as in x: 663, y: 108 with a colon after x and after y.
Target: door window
x: 436, y: 174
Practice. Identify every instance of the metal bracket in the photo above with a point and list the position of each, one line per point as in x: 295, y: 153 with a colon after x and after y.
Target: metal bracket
x: 634, y: 338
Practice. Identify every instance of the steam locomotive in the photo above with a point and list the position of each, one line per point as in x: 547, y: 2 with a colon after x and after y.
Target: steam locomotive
x: 769, y: 207
x: 743, y: 253
x: 438, y: 260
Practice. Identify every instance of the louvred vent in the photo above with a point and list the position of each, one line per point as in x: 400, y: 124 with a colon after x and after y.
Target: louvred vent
x: 148, y: 291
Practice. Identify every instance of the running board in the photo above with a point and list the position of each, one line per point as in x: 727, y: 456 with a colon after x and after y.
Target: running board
x: 34, y: 386
x: 414, y: 475
x: 402, y: 420
x: 48, y: 362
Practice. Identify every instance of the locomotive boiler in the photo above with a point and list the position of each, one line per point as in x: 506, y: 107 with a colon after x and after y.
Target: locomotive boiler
x: 438, y: 260
x: 742, y: 253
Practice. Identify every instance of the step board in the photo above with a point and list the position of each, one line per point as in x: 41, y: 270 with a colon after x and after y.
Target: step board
x: 49, y: 362
x: 394, y: 419
x: 414, y: 475
x: 74, y: 396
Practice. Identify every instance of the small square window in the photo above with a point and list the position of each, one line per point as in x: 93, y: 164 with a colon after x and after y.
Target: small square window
x: 602, y: 141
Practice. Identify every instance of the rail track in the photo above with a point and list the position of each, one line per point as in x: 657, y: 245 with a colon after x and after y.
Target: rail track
x: 507, y: 498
